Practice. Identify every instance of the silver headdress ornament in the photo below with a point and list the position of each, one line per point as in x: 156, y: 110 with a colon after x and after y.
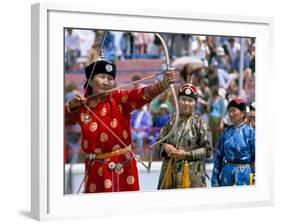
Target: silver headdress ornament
x: 101, y: 56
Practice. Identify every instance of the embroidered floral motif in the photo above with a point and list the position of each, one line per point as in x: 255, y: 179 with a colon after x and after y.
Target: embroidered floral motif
x: 107, y: 184
x: 92, y: 188
x: 103, y: 137
x: 130, y: 180
x: 93, y: 126
x: 114, y: 123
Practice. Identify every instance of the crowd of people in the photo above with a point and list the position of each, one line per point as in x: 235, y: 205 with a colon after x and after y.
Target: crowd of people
x: 216, y: 101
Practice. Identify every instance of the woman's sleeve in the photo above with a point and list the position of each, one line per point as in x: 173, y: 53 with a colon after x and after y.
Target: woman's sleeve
x: 71, y: 118
x: 136, y: 98
x: 204, y: 141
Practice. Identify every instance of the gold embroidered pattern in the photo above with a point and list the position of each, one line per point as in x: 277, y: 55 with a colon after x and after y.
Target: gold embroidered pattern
x: 103, y: 137
x: 114, y: 123
x: 125, y: 134
x: 130, y: 180
x: 107, y: 184
x: 124, y: 98
x: 100, y: 172
x: 103, y: 111
x: 93, y: 126
x: 85, y: 144
x: 116, y: 147
x: 92, y: 188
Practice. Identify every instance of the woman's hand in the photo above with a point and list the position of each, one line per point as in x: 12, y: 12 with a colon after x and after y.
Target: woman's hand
x: 169, y: 149
x: 75, y: 103
x: 179, y: 154
x: 169, y: 78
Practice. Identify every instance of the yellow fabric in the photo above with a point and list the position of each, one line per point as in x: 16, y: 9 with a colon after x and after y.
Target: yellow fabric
x: 169, y: 173
x: 251, y: 179
x: 185, y: 176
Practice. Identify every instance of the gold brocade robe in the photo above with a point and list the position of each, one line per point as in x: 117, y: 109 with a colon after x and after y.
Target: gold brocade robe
x: 196, y: 138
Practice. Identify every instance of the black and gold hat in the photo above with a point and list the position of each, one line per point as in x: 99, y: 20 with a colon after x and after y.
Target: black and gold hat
x: 188, y: 90
x: 100, y: 66
x: 238, y: 103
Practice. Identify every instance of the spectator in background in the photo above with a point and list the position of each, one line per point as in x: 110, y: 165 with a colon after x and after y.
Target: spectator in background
x: 249, y: 85
x: 212, y: 45
x: 160, y: 121
x: 72, y: 48
x: 216, y: 115
x: 141, y: 123
x: 251, y: 116
x: 155, y: 47
x: 180, y: 45
x: 162, y: 118
x: 227, y: 122
x: 236, y: 63
x: 125, y: 45
x: 212, y: 75
x: 93, y: 55
x: 221, y: 60
x: 98, y: 37
x: 109, y: 46
x: 156, y: 102
x: 204, y: 95
x: 131, y: 44
x: 184, y: 152
x: 252, y: 54
x: 142, y: 41
x: 87, y: 39
x: 233, y: 91
x: 200, y: 49
x: 224, y: 78
x: 233, y: 49
x: 235, y: 158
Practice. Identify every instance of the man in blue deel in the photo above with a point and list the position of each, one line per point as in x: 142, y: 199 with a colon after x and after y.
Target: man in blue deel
x: 235, y: 158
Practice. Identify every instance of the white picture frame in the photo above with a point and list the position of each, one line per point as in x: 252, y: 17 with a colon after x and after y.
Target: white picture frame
x: 48, y: 200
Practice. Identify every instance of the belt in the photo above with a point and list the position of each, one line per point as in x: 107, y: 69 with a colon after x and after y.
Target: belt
x: 109, y: 154
x: 237, y: 163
